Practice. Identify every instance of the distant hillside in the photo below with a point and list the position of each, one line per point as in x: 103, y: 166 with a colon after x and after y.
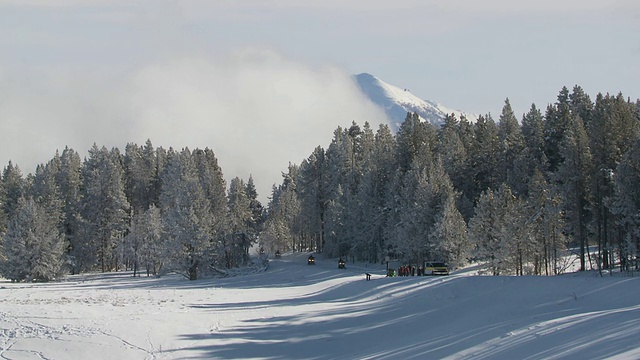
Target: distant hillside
x: 396, y: 102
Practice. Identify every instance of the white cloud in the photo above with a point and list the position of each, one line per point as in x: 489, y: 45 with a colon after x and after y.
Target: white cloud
x: 257, y: 110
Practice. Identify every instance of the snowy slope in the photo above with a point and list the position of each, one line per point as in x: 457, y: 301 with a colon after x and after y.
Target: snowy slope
x: 296, y: 311
x: 396, y: 102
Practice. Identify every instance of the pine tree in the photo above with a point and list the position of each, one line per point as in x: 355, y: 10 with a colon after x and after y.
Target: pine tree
x: 498, y: 231
x: 450, y: 230
x: 34, y: 247
x: 3, y: 214
x: 13, y: 188
x: 256, y: 208
x: 546, y: 225
x: 574, y: 174
x: 511, y: 145
x: 69, y: 181
x: 140, y: 169
x: 485, y: 157
x: 557, y: 120
x: 105, y: 210
x: 626, y: 204
x: 452, y: 151
x: 147, y: 242
x: 311, y: 187
x: 613, y: 128
x: 240, y: 223
x: 416, y: 142
x: 283, y: 224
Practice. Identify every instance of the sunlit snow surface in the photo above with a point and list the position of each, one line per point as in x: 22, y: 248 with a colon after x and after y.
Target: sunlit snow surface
x: 397, y: 102
x: 296, y: 311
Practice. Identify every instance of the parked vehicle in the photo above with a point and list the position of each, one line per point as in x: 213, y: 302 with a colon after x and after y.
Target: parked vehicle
x: 311, y: 260
x: 436, y: 268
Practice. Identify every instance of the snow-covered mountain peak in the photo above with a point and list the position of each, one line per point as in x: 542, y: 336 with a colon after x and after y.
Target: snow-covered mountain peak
x: 397, y: 102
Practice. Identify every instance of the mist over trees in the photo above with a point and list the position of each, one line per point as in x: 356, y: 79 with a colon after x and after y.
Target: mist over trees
x: 513, y: 195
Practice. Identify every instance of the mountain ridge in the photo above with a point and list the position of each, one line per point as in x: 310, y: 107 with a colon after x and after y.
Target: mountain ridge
x: 397, y: 102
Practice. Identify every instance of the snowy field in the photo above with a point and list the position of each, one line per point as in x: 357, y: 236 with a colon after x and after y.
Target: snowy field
x: 297, y: 311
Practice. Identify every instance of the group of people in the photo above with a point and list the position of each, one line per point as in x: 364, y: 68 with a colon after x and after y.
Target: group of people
x: 408, y: 270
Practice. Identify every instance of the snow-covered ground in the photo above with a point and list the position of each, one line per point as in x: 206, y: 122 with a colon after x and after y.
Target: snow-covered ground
x: 295, y: 311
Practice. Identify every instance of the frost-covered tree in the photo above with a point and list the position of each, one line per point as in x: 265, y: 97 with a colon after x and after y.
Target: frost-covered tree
x: 13, y: 188
x: 416, y: 143
x: 105, y: 210
x: 283, y: 216
x: 256, y: 208
x: 311, y: 187
x: 186, y: 216
x: 34, y: 247
x: 69, y: 182
x: 147, y: 242
x: 574, y: 174
x: 545, y: 226
x: 452, y: 151
x: 613, y: 129
x: 140, y: 172
x: 45, y: 190
x: 511, y: 145
x: 240, y: 224
x: 626, y: 203
x: 450, y: 232
x: 370, y: 215
x: 498, y: 232
x: 214, y: 187
x: 556, y: 123
x: 485, y: 158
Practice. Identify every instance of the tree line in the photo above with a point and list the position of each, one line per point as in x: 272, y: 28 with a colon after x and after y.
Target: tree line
x: 514, y: 195
x: 517, y: 196
x: 150, y: 210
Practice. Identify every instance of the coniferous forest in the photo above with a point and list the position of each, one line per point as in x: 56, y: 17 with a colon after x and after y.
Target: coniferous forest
x: 517, y: 195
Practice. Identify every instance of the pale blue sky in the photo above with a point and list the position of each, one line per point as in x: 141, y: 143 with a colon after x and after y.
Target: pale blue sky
x: 81, y: 64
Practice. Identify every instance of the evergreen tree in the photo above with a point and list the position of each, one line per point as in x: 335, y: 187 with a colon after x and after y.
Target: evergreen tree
x: 613, y: 128
x: 511, y: 145
x: 186, y: 216
x: 626, y: 204
x: 574, y: 174
x: 3, y: 214
x: 546, y: 226
x: 13, y: 188
x: 557, y: 120
x: 452, y: 151
x: 450, y: 230
x: 416, y: 142
x: 467, y: 185
x: 147, y: 242
x: 240, y: 223
x: 283, y: 225
x: 140, y: 168
x: 105, y: 209
x: 256, y: 208
x: 69, y: 181
x: 311, y: 188
x: 485, y: 157
x: 498, y: 231
x: 34, y: 247
x: 370, y: 214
